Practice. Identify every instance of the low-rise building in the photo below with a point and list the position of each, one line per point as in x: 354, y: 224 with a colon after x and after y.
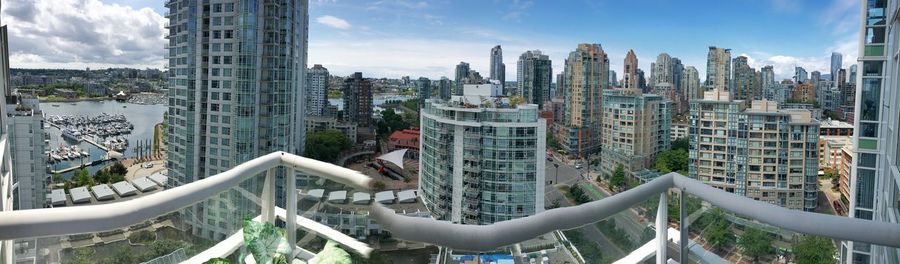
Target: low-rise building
x: 322, y: 123
x: 829, y: 127
x: 66, y: 93
x: 405, y: 139
x: 847, y: 154
x: 830, y: 150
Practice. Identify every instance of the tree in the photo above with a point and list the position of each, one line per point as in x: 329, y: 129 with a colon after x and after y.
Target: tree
x: 672, y: 160
x: 756, y: 243
x: 718, y: 230
x: 118, y: 168
x: 813, y: 249
x: 58, y: 178
x: 82, y: 178
x: 378, y: 185
x: 390, y: 122
x: 681, y: 143
x: 551, y: 142
x: 325, y: 145
x: 618, y: 178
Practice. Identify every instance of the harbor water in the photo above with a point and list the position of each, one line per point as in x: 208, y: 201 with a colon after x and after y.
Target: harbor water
x: 144, y: 118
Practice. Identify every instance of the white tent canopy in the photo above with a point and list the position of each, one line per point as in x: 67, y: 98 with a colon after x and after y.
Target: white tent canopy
x: 144, y: 184
x: 58, y: 197
x: 123, y: 188
x: 80, y: 195
x: 102, y: 192
x: 361, y: 198
x: 159, y: 178
x: 395, y: 157
x: 315, y: 194
x: 337, y: 197
x: 385, y: 197
x: 407, y: 196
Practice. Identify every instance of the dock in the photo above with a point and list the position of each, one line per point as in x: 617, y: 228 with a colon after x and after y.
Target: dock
x: 85, y: 165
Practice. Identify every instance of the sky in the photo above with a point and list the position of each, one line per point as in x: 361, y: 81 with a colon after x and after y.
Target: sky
x: 394, y: 38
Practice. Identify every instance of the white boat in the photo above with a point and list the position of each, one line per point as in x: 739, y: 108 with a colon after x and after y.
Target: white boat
x: 71, y: 134
x: 85, y: 153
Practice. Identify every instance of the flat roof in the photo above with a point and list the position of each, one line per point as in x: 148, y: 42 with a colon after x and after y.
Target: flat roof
x: 362, y: 198
x: 102, y: 192
x: 80, y: 195
x: 315, y: 194
x: 123, y: 188
x: 159, y: 179
x: 337, y: 196
x: 144, y: 184
x: 58, y: 197
x: 407, y: 196
x: 385, y: 197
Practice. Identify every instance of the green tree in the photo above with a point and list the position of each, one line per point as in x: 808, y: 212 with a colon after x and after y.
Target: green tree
x: 390, y: 122
x: 118, y: 168
x: 82, y: 178
x: 681, y: 143
x: 756, y: 243
x: 617, y: 180
x: 672, y: 160
x: 718, y: 230
x: 58, y: 178
x: 551, y: 142
x: 325, y: 145
x: 813, y: 249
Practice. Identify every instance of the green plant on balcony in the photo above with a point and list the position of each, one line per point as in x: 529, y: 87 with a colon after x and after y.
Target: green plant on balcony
x: 269, y: 245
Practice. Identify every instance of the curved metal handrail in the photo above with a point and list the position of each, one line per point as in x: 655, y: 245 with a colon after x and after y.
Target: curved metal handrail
x: 103, y: 217
x: 481, y: 238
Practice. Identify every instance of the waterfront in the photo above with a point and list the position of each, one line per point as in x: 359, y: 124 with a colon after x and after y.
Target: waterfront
x: 144, y: 117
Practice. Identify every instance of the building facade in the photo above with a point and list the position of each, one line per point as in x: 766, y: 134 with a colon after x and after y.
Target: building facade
x: 534, y: 75
x: 874, y: 188
x: 316, y: 90
x: 629, y: 71
x: 358, y: 100
x: 718, y: 69
x: 423, y: 90
x: 26, y: 143
x: 462, y: 74
x: 585, y: 79
x: 744, y: 83
x: 498, y: 68
x: 325, y: 123
x: 482, y: 164
x: 836, y: 62
x: 236, y: 92
x: 690, y: 84
x: 760, y: 152
x: 800, y: 75
x: 636, y: 127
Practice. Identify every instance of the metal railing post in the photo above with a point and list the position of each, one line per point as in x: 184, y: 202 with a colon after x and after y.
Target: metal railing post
x: 268, y: 197
x: 291, y: 206
x: 684, y: 227
x: 661, y: 214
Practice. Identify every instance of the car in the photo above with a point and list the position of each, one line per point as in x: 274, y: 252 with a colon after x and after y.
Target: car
x: 147, y: 165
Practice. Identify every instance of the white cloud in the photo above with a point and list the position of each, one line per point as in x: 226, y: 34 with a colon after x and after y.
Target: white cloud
x: 81, y: 33
x: 783, y: 65
x: 334, y: 22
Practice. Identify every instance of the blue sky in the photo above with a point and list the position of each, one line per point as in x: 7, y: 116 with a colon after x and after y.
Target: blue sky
x: 392, y: 38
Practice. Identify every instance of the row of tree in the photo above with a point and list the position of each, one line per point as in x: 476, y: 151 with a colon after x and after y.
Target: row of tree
x: 81, y: 177
x: 755, y: 243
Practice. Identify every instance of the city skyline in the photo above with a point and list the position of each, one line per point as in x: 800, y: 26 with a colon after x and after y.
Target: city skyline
x: 342, y: 32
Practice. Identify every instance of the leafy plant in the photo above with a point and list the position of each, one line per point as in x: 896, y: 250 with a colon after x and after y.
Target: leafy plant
x: 266, y: 242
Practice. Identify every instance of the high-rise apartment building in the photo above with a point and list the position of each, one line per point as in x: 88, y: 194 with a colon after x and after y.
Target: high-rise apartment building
x: 462, y: 74
x: 690, y: 84
x: 613, y: 81
x: 444, y: 87
x: 874, y: 185
x: 636, y: 127
x: 800, y: 75
x: 316, y: 90
x: 630, y: 71
x: 760, y: 152
x: 642, y: 81
x: 718, y: 69
x: 423, y: 90
x: 560, y: 85
x: 481, y: 165
x: 237, y: 74
x: 744, y: 82
x: 6, y: 198
x: 836, y: 62
x: 26, y: 141
x: 498, y: 68
x: 585, y: 79
x: 804, y: 93
x: 661, y: 70
x: 358, y: 100
x: 534, y: 76
x: 677, y: 71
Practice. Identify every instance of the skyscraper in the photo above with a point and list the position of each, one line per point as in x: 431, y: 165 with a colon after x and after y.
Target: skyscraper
x: 498, y: 68
x: 317, y: 90
x: 629, y: 71
x: 585, y: 79
x: 613, y: 79
x: 462, y: 74
x: 661, y: 71
x: 718, y: 69
x: 560, y: 85
x: 26, y: 141
x: 636, y: 128
x: 851, y: 77
x: 800, y: 75
x: 744, y: 80
x: 534, y: 76
x: 874, y: 188
x: 470, y: 179
x: 236, y: 96
x: 836, y: 62
x: 677, y: 71
x: 444, y: 88
x: 423, y: 90
x: 358, y: 100
x: 760, y: 152
x: 690, y: 84
x: 6, y: 199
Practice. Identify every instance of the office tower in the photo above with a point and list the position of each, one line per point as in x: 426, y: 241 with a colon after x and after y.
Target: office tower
x: 642, y: 81
x: 874, y: 188
x: 585, y: 80
x: 690, y: 84
x: 636, y: 127
x: 498, y: 69
x: 236, y: 96
x: 815, y: 77
x: 534, y: 76
x: 744, y: 80
x: 26, y: 141
x: 423, y: 90
x: 677, y: 71
x: 800, y: 75
x: 613, y: 81
x: 317, y: 90
x: 630, y: 71
x: 760, y: 152
x: 560, y: 85
x: 466, y: 175
x: 462, y: 73
x: 358, y: 100
x: 836, y: 62
x: 661, y: 71
x: 444, y: 88
x: 718, y: 69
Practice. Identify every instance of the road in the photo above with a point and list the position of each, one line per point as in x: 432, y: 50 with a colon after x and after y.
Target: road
x: 607, y: 248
